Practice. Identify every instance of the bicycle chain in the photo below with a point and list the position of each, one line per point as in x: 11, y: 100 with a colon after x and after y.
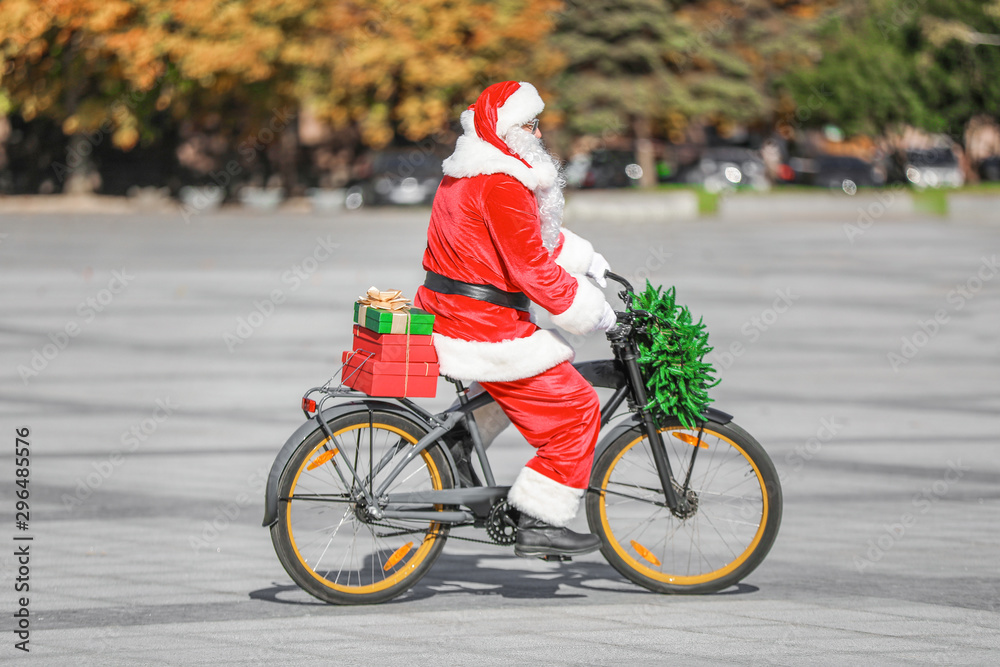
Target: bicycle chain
x: 498, y: 526
x: 423, y: 530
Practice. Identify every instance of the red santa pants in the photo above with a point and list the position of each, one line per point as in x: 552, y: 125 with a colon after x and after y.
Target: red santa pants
x: 559, y: 414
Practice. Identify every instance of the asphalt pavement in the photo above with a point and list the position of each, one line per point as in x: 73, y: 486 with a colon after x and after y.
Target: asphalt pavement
x: 157, y: 361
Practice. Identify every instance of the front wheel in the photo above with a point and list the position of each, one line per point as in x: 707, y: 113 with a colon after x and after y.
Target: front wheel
x: 325, y: 538
x: 735, y: 508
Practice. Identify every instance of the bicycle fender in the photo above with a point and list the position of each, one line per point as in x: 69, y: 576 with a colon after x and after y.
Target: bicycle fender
x: 303, y: 431
x: 633, y: 422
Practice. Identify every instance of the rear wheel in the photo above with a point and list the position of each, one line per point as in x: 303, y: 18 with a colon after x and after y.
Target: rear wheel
x: 735, y: 508
x: 326, y: 539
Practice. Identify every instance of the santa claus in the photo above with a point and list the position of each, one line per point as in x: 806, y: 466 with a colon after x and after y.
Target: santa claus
x: 495, y: 242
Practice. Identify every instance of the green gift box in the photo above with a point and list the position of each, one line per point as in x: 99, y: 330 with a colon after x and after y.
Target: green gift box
x: 413, y: 321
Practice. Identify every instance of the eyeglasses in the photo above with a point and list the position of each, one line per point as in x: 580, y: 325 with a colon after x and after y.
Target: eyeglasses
x: 531, y: 125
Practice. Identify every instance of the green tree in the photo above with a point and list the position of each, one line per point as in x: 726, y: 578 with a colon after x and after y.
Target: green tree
x: 934, y: 64
x: 650, y: 67
x: 621, y: 70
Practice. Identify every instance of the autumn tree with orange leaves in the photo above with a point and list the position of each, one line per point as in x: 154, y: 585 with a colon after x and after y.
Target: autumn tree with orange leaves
x: 410, y: 67
x: 390, y: 68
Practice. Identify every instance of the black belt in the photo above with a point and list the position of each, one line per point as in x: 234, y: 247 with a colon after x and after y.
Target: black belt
x: 435, y: 282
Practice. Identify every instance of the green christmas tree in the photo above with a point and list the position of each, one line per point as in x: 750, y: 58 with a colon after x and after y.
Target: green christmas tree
x: 671, y: 355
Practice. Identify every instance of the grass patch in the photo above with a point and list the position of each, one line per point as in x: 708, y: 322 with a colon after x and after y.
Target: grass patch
x: 708, y: 202
x: 931, y: 201
x: 988, y: 188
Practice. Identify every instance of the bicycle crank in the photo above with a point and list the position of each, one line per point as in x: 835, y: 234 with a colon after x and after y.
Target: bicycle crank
x: 501, y: 524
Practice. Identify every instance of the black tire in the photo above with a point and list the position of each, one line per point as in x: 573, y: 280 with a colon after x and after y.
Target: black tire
x: 322, y: 538
x: 735, y: 522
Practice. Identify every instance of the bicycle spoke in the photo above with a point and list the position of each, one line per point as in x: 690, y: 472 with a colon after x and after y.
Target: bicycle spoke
x: 330, y: 541
x: 636, y: 498
x: 641, y: 523
x: 404, y: 480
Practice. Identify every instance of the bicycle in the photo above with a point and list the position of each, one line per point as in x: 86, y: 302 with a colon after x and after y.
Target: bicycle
x: 361, y: 498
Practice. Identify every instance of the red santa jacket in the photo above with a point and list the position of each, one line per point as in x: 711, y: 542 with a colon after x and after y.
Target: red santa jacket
x: 485, y: 229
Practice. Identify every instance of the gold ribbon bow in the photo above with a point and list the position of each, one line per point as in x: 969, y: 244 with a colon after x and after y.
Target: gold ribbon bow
x: 392, y: 300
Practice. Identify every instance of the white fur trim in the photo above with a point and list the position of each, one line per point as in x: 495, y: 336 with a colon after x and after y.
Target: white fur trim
x: 504, y: 361
x: 586, y: 311
x: 576, y: 253
x: 523, y: 105
x: 475, y: 157
x: 543, y: 498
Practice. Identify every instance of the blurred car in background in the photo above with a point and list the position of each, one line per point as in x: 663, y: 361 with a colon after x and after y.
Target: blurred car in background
x: 603, y: 168
x: 929, y: 168
x: 989, y: 169
x: 837, y: 171
x: 728, y: 167
x: 397, y: 177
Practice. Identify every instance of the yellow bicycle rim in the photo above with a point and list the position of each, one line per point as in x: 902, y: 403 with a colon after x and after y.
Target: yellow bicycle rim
x: 417, y: 558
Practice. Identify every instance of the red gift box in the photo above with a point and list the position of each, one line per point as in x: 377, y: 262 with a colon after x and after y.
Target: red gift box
x: 394, y: 347
x: 389, y: 378
x: 392, y: 339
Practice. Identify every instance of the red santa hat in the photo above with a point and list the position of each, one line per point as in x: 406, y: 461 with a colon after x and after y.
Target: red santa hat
x: 502, y: 107
x: 482, y: 149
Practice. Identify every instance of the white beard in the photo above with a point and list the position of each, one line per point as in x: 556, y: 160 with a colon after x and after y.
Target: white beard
x: 550, y: 200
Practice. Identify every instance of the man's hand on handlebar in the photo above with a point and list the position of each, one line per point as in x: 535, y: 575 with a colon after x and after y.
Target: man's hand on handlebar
x: 598, y: 267
x: 608, y: 318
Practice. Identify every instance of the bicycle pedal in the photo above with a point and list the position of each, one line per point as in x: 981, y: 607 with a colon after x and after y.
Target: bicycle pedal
x: 557, y: 558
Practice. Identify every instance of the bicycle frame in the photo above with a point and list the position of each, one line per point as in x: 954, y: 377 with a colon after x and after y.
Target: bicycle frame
x: 621, y: 374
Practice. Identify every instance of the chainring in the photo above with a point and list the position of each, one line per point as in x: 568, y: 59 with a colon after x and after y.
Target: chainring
x: 501, y: 525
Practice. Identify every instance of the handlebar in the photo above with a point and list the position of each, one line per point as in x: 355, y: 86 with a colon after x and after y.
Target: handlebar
x: 620, y: 280
x: 623, y: 328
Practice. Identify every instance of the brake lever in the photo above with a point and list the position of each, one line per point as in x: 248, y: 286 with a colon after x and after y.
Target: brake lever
x: 622, y: 328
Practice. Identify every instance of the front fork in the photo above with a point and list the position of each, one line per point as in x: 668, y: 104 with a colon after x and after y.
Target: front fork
x: 628, y: 354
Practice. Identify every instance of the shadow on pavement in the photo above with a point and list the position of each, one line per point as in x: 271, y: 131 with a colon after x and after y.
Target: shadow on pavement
x: 477, y: 575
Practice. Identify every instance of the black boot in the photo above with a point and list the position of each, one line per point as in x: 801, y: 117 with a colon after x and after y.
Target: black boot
x: 537, y: 538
